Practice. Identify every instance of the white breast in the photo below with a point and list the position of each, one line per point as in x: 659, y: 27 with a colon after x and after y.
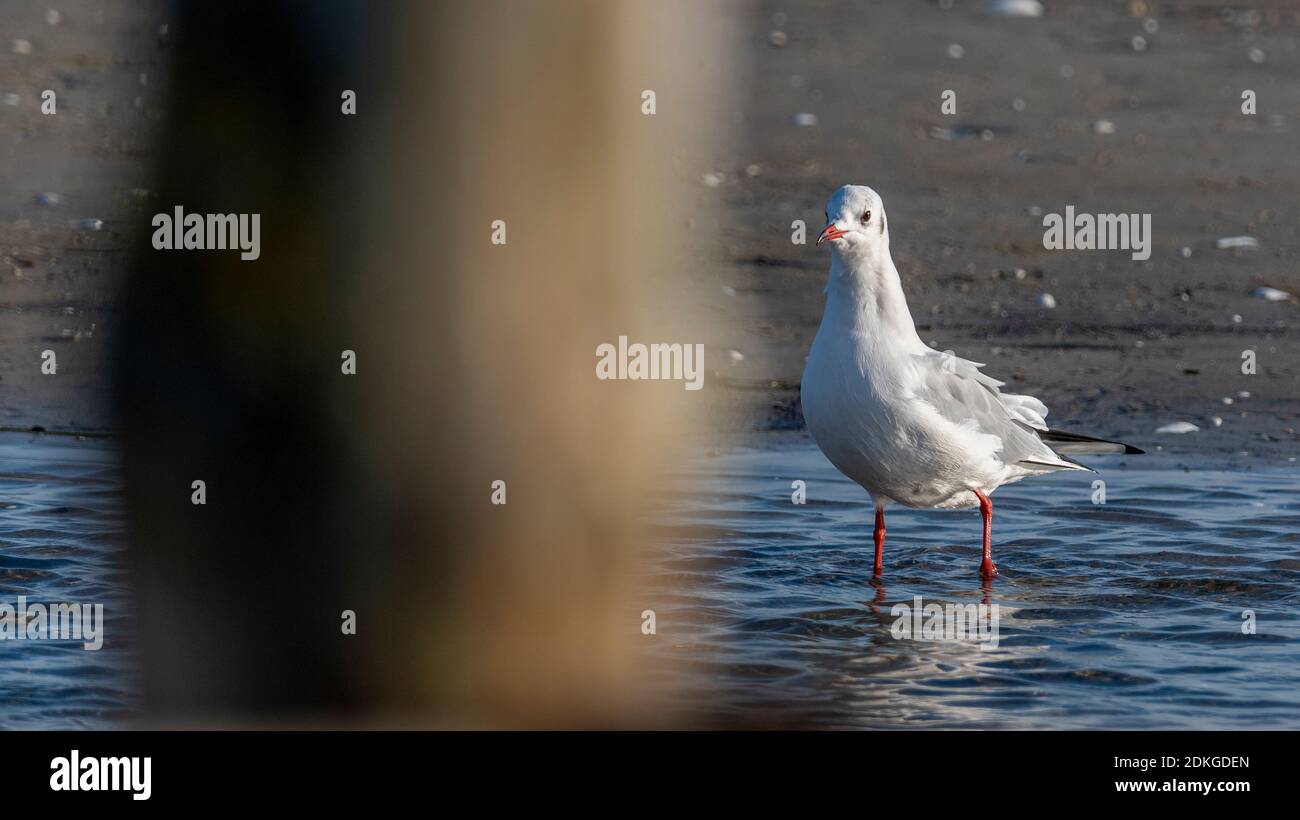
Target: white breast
x: 858, y: 402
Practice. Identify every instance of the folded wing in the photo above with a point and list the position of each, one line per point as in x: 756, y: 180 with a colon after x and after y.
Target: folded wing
x: 959, y: 392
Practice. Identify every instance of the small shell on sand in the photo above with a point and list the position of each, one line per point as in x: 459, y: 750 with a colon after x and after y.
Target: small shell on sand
x: 1271, y: 295
x: 1014, y: 8
x: 1236, y: 242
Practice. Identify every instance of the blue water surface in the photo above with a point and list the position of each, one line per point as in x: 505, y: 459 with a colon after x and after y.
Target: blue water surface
x: 61, y: 539
x: 1127, y: 614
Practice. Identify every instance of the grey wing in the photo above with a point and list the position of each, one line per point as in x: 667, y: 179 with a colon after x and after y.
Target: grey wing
x: 961, y: 393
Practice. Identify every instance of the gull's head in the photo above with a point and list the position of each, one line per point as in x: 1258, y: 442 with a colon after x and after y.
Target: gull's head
x: 855, y: 221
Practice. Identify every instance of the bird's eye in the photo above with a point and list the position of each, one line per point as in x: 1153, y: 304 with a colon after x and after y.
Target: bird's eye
x: 866, y: 217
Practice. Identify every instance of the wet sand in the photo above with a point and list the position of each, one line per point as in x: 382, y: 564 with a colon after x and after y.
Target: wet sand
x: 1130, y: 345
x: 59, y: 277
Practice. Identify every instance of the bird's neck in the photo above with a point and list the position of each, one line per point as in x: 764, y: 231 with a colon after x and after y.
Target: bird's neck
x: 864, y: 294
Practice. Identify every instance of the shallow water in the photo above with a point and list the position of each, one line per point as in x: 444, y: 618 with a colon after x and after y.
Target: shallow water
x: 1123, y: 614
x: 61, y: 538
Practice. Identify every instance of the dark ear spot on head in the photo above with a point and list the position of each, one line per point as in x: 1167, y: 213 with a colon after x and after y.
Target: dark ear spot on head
x: 882, y: 223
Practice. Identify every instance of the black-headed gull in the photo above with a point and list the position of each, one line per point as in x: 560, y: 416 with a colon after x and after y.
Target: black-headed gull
x: 909, y: 423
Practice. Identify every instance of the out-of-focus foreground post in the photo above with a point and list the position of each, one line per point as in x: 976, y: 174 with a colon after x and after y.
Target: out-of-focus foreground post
x: 475, y: 361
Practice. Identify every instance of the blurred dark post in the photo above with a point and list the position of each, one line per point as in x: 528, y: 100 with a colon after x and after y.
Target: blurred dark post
x: 227, y: 372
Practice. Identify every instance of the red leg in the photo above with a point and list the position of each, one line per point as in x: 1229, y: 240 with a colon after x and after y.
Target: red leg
x: 987, y: 569
x: 880, y: 541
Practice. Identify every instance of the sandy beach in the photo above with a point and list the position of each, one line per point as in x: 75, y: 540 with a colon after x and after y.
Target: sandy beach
x: 74, y: 185
x: 1065, y: 109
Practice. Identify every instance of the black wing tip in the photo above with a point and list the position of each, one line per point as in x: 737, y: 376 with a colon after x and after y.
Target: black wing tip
x: 1051, y: 436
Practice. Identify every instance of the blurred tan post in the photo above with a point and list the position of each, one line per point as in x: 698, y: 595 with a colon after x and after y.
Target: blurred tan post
x: 531, y: 113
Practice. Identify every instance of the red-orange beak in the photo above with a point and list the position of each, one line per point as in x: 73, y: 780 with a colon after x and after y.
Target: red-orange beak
x: 829, y: 232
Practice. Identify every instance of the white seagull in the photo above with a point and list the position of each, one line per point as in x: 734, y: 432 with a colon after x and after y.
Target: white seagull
x: 909, y: 423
